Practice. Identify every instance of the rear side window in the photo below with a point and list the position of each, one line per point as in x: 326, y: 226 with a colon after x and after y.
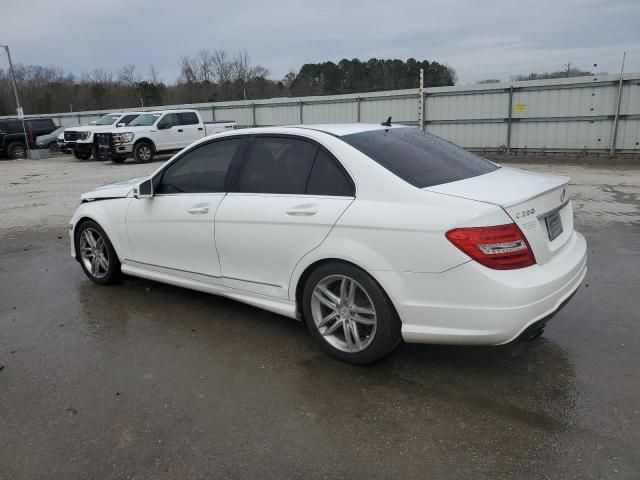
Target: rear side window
x: 187, y: 118
x: 419, y: 158
x: 328, y: 179
x: 44, y: 124
x: 201, y: 170
x: 277, y: 165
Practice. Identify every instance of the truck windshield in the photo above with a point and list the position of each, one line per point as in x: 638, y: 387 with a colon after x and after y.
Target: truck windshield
x: 108, y: 120
x: 145, y: 120
x: 419, y: 158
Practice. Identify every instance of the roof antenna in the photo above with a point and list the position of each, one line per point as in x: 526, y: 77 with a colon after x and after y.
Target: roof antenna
x: 387, y: 123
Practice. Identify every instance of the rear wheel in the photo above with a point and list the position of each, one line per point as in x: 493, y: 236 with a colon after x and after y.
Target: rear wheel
x: 349, y: 315
x: 17, y: 150
x: 143, y: 152
x: 96, y: 254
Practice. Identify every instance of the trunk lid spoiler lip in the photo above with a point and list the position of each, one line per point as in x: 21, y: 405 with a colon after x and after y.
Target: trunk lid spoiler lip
x: 538, y: 185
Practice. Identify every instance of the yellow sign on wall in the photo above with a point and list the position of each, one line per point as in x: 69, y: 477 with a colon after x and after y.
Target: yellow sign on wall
x: 520, y: 107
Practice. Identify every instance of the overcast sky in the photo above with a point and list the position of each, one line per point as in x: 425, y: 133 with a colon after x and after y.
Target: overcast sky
x: 480, y: 39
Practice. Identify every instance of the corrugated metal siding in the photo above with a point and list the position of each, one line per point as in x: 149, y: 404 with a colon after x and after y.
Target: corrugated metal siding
x: 462, y: 107
x: 280, y: 115
x: 566, y: 113
x: 469, y: 135
x: 559, y: 135
x: 400, y: 109
x: 629, y: 135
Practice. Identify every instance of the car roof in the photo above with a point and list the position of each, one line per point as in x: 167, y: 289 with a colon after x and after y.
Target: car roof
x: 342, y: 129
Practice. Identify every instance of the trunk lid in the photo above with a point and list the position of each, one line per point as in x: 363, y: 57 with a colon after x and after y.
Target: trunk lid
x: 539, y: 204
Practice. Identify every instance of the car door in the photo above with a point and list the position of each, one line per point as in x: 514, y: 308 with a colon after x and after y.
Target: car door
x: 190, y: 127
x: 280, y: 210
x: 175, y: 228
x: 167, y: 136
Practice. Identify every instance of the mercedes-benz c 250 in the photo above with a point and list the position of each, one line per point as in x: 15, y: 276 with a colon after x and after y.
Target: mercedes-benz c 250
x: 370, y: 234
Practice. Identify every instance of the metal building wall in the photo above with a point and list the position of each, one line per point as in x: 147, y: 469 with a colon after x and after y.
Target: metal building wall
x: 552, y: 115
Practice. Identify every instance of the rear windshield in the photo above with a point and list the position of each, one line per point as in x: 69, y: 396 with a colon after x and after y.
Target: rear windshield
x: 419, y: 158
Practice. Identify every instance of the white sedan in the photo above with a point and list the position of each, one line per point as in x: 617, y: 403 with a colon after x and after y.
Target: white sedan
x: 368, y: 233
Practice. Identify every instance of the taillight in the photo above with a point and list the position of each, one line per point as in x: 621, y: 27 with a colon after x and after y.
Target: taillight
x: 31, y: 135
x: 502, y: 247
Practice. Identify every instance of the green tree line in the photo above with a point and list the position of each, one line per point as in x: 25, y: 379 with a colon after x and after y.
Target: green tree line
x: 207, y: 76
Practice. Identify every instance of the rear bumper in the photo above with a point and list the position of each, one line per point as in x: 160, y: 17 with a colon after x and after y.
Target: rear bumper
x: 474, y: 305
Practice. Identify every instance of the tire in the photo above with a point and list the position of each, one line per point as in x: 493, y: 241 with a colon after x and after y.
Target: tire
x: 53, y: 147
x: 143, y: 152
x: 17, y: 150
x: 368, y: 308
x: 118, y: 159
x: 106, y: 269
x: 82, y: 155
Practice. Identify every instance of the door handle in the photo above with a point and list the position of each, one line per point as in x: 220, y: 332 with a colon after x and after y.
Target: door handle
x: 179, y: 129
x: 198, y: 210
x: 200, y: 128
x: 307, y: 209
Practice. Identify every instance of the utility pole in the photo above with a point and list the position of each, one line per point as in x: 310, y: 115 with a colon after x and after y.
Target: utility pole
x: 19, y: 110
x: 614, y: 132
x: 421, y: 101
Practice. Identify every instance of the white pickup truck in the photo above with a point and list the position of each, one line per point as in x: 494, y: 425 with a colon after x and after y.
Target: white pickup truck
x: 80, y: 141
x: 156, y: 132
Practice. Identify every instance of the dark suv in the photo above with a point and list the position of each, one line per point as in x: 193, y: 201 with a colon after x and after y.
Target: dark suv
x: 12, y: 141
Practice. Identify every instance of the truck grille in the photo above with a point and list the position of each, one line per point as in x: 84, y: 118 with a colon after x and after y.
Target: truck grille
x: 103, y: 139
x: 71, y: 135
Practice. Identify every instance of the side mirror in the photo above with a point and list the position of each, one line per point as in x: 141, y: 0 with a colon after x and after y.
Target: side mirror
x: 144, y: 189
x: 121, y: 125
x: 163, y: 126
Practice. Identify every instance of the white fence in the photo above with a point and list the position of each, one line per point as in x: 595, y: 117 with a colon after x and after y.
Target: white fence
x: 569, y: 114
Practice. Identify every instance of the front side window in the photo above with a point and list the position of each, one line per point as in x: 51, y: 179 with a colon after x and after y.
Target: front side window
x: 127, y: 119
x: 201, y: 170
x: 168, y: 121
x: 419, y: 158
x: 188, y: 118
x: 277, y: 165
x: 107, y: 120
x: 145, y: 120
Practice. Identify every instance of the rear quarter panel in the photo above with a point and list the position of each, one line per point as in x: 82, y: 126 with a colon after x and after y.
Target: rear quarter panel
x: 406, y: 236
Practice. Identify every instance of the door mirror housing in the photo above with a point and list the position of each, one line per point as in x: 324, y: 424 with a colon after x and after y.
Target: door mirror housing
x: 121, y: 125
x: 144, y: 189
x: 164, y: 126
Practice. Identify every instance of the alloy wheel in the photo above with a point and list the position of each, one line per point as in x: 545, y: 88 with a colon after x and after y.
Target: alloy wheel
x: 94, y: 253
x: 344, y: 313
x: 19, y: 152
x: 144, y: 153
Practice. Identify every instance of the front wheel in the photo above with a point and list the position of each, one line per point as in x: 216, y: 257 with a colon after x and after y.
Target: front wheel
x: 53, y: 147
x: 349, y: 315
x: 97, y: 256
x: 82, y: 155
x: 17, y: 151
x: 143, y: 152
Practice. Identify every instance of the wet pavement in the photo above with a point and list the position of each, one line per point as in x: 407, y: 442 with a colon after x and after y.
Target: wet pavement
x: 144, y: 380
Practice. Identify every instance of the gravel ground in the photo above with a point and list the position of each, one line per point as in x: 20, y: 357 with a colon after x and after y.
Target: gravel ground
x: 144, y: 380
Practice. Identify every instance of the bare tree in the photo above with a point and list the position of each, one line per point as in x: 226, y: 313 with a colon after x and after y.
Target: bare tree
x: 128, y: 76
